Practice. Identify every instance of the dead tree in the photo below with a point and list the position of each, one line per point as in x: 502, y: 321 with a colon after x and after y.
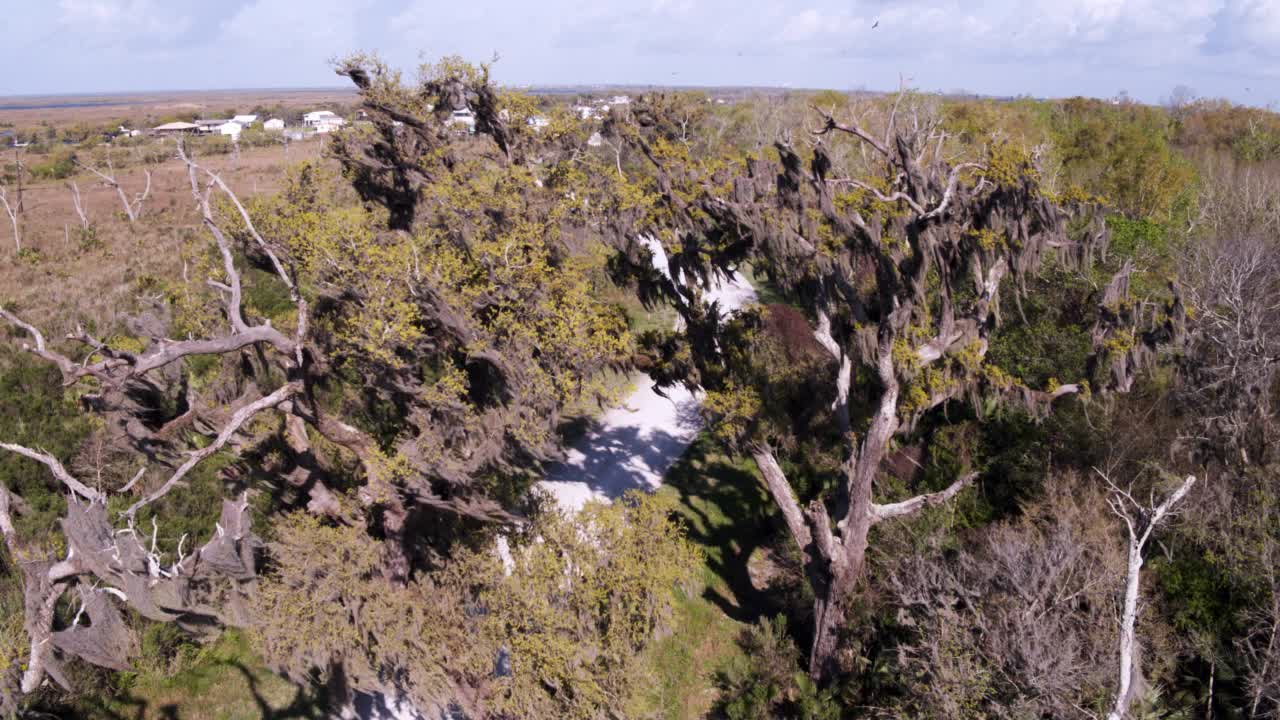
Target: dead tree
x: 1140, y: 520
x: 132, y: 208
x: 14, y: 211
x: 900, y: 270
x: 1233, y: 358
x: 78, y: 205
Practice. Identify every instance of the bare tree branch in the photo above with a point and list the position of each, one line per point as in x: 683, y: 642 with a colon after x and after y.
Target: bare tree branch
x: 13, y: 213
x: 79, y: 206
x: 238, y: 419
x: 880, y: 513
x: 854, y: 129
x: 59, y: 472
x: 131, y: 207
x: 1140, y: 520
x: 783, y: 496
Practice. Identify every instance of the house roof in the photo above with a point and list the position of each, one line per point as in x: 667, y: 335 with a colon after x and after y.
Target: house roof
x: 177, y: 126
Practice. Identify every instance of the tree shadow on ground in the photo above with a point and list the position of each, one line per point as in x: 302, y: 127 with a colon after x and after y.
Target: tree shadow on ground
x: 618, y: 460
x: 306, y: 704
x: 728, y: 513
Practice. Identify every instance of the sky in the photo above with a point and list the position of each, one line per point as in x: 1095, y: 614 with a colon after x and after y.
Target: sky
x: 1043, y: 48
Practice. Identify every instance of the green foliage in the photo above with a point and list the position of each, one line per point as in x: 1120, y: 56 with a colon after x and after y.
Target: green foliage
x: 1122, y: 153
x: 57, y: 165
x: 768, y: 682
x: 1206, y: 599
x: 222, y: 680
x: 579, y: 634
x: 1054, y: 342
x: 1249, y: 134
x: 583, y: 597
x: 36, y: 411
x: 165, y: 650
x: 829, y: 100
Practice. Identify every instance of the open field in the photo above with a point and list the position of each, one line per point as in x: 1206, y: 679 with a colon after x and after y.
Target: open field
x: 63, y: 280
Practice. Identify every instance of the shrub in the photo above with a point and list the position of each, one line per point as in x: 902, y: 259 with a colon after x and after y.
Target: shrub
x: 769, y: 684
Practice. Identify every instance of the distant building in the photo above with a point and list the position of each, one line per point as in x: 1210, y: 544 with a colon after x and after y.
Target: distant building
x: 275, y: 124
x: 319, y: 117
x: 210, y: 126
x: 245, y: 120
x: 231, y: 128
x: 463, y: 117
x: 323, y: 121
x: 620, y: 100
x: 175, y: 128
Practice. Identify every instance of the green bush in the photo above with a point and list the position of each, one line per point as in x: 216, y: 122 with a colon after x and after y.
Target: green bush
x: 768, y: 683
x: 36, y: 411
x: 56, y: 166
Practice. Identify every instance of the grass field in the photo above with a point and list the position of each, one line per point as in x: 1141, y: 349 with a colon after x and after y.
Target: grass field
x: 727, y: 513
x: 224, y: 680
x: 60, y: 280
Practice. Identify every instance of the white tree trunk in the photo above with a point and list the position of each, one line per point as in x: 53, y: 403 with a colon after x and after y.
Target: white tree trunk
x: 1140, y: 521
x: 1128, y: 622
x: 12, y: 212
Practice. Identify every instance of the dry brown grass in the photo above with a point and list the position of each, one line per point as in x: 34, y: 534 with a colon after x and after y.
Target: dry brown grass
x: 60, y: 283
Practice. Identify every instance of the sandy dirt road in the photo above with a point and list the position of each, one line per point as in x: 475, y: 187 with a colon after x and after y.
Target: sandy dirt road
x: 632, y: 446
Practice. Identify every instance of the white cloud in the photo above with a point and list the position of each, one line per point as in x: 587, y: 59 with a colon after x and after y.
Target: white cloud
x: 1245, y: 27
x: 123, y: 21
x: 276, y: 25
x: 1003, y: 46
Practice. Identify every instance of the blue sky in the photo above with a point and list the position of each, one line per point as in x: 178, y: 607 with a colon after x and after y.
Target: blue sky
x: 1219, y: 48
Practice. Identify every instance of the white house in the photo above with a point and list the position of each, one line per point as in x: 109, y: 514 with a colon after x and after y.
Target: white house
x: 620, y: 100
x: 328, y: 126
x: 274, y: 124
x: 463, y: 117
x: 317, y: 117
x: 245, y: 120
x: 231, y: 128
x: 210, y: 126
x: 175, y: 128
x: 586, y: 112
x: 323, y: 121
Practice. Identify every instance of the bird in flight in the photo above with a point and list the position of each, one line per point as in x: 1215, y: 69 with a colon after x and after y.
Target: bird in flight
x: 875, y: 25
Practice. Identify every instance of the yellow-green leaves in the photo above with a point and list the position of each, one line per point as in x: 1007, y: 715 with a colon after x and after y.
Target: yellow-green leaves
x: 582, y: 597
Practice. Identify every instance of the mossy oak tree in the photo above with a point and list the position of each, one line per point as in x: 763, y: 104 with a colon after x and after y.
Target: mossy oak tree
x: 399, y: 366
x: 899, y: 261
